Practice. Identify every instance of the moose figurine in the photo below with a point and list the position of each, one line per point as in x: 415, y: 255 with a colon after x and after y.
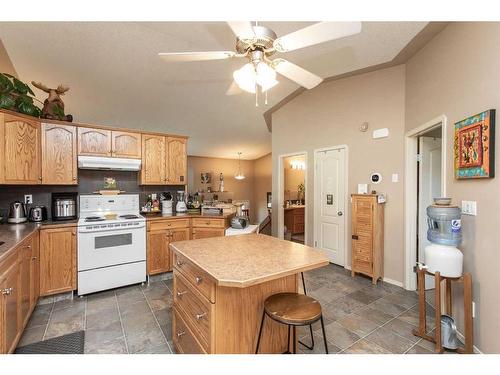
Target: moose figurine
x: 53, y: 106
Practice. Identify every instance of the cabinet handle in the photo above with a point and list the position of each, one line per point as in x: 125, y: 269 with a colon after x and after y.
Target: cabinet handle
x: 28, y: 247
x: 7, y: 291
x: 181, y: 333
x: 34, y: 258
x: 74, y: 178
x: 180, y: 294
x: 40, y: 178
x: 198, y: 279
x: 355, y: 237
x: 207, y: 223
x: 200, y: 316
x: 179, y: 263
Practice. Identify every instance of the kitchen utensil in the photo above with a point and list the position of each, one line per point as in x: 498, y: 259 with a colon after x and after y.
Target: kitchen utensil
x: 64, y: 206
x: 17, y: 213
x: 449, y: 338
x: 38, y: 213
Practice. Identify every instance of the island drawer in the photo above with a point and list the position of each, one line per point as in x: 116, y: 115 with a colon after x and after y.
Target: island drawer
x: 168, y: 224
x: 197, y: 309
x: 209, y: 223
x: 183, y: 338
x: 196, y: 276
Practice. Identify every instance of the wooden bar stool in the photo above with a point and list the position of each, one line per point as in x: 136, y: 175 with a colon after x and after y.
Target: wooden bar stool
x: 310, y: 325
x: 292, y: 309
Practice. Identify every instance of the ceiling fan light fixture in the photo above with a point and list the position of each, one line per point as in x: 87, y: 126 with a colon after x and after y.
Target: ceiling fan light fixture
x: 246, y: 77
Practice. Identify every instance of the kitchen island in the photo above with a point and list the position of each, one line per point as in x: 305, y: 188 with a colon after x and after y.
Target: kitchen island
x: 220, y: 285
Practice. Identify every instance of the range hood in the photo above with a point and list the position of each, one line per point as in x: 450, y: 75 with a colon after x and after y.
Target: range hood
x: 116, y: 164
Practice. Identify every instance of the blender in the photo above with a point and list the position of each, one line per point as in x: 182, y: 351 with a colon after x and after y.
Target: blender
x: 181, y: 207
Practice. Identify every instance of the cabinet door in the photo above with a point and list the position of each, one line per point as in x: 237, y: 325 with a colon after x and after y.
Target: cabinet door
x: 21, y: 150
x: 57, y: 260
x: 94, y: 142
x: 126, y: 145
x: 153, y: 160
x: 207, y: 233
x: 158, y: 257
x: 25, y: 283
x: 59, y: 153
x: 181, y: 234
x: 9, y: 298
x: 35, y: 271
x: 176, y: 161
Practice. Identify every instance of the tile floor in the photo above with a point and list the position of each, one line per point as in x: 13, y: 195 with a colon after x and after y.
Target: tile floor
x: 359, y: 317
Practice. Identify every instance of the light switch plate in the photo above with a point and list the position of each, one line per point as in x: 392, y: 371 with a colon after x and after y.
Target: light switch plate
x: 469, y: 208
x: 380, y: 133
x: 395, y: 177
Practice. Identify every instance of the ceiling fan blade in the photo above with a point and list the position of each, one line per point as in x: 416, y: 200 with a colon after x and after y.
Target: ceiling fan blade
x: 233, y: 89
x: 315, y: 34
x: 196, y: 56
x: 297, y: 74
x: 242, y: 29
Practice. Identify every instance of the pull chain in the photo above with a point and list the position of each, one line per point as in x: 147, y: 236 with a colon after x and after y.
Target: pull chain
x: 266, y: 97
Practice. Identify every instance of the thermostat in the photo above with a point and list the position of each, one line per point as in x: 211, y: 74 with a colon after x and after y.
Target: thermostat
x: 376, y: 178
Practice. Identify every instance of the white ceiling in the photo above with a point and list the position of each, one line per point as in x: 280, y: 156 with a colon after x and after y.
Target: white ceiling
x: 117, y: 79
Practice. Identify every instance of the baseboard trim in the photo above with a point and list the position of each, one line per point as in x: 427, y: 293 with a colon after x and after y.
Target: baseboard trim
x: 347, y: 267
x: 393, y: 282
x: 474, y: 347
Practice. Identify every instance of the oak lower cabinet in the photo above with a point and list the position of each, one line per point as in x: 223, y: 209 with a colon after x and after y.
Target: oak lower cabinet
x: 18, y: 291
x: 367, y: 236
x: 20, y: 159
x: 59, y: 155
x: 294, y: 220
x: 159, y: 235
x: 209, y: 227
x: 207, y: 233
x: 57, y: 260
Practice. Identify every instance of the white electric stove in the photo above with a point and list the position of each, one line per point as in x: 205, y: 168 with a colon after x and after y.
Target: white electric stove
x: 111, y: 252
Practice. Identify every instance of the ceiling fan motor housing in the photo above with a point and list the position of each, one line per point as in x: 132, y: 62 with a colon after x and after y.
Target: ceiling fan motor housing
x: 263, y: 40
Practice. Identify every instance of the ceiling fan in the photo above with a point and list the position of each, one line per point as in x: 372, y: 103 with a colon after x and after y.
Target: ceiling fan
x: 258, y: 43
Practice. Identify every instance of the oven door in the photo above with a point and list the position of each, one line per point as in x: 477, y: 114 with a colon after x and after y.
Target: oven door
x: 108, y: 248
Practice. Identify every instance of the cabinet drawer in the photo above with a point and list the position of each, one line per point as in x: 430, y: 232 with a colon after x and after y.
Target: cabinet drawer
x: 183, y: 338
x: 363, y: 267
x: 168, y: 224
x: 196, y: 276
x: 209, y: 223
x: 196, y: 308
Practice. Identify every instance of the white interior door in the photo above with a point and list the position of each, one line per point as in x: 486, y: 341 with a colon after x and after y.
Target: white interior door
x: 429, y: 188
x: 329, y: 210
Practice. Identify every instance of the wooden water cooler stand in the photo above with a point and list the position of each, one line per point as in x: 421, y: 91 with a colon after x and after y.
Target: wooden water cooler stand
x: 466, y: 279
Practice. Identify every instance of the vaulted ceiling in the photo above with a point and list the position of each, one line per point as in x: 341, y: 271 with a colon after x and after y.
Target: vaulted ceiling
x: 117, y: 79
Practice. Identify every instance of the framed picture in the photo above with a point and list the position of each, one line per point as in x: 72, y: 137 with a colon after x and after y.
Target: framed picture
x: 474, y: 148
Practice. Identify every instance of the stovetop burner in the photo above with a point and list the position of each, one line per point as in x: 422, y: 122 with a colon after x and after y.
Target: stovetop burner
x: 128, y: 216
x: 94, y: 218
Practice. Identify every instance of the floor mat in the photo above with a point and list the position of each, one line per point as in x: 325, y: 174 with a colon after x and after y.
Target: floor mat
x: 72, y: 343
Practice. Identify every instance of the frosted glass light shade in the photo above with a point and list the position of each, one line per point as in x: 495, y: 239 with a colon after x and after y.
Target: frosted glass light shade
x: 246, y: 77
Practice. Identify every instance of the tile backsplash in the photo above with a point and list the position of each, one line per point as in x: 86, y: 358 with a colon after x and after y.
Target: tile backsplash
x: 88, y: 182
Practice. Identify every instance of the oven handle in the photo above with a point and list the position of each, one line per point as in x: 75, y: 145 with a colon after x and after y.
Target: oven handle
x: 127, y: 229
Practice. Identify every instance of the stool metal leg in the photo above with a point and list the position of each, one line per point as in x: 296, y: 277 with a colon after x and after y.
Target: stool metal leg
x: 288, y: 340
x: 260, y: 331
x: 324, y: 334
x: 310, y: 325
x: 294, y: 340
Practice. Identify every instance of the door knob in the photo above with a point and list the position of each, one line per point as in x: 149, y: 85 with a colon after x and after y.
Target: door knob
x: 340, y: 213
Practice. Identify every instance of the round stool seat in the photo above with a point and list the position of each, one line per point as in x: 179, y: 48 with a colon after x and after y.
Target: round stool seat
x: 292, y: 308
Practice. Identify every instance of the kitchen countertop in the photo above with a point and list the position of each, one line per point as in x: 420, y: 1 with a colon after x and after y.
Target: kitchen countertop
x: 249, y: 259
x: 14, y: 234
x: 294, y: 207
x: 159, y: 216
x: 252, y: 228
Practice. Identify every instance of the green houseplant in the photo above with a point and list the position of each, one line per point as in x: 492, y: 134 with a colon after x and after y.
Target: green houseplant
x: 16, y: 95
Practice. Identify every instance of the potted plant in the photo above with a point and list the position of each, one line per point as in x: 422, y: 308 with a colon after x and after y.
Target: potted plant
x: 16, y: 95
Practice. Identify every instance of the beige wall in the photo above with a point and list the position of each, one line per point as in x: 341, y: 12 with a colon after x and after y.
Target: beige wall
x: 262, y: 185
x: 5, y: 62
x: 330, y: 115
x: 253, y: 188
x: 457, y: 74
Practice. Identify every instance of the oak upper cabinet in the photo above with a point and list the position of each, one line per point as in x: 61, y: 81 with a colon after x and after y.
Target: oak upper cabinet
x: 176, y: 161
x: 57, y: 260
x: 125, y: 145
x: 59, y: 154
x: 94, y: 142
x: 10, y: 325
x: 153, y: 160
x: 20, y: 161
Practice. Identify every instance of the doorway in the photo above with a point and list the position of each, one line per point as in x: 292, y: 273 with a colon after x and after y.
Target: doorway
x: 330, y: 202
x: 292, y: 203
x: 425, y: 180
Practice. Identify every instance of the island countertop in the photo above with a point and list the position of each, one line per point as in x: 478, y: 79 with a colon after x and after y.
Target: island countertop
x: 249, y: 259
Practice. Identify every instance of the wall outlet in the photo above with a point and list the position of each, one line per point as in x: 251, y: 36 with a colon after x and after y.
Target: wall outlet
x: 473, y: 309
x: 28, y: 199
x: 469, y: 208
x: 395, y: 177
